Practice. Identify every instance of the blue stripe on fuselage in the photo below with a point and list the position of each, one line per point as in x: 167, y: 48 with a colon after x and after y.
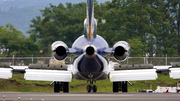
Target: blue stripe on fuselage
x: 90, y: 8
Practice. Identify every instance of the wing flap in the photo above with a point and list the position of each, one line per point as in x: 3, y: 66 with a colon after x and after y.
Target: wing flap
x: 48, y: 75
x: 133, y: 75
x: 174, y: 73
x: 5, y: 73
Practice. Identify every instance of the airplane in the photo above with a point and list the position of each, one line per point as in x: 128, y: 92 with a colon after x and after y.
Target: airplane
x: 90, y: 61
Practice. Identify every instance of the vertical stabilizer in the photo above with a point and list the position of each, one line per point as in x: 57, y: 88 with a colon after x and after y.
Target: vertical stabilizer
x: 90, y: 23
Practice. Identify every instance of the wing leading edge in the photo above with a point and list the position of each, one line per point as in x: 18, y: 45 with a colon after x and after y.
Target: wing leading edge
x: 5, y: 71
x: 132, y: 72
x: 47, y: 72
x: 175, y: 70
x: 48, y: 75
x: 175, y: 73
x: 133, y: 75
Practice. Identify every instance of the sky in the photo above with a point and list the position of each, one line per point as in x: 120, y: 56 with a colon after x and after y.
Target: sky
x: 5, y: 5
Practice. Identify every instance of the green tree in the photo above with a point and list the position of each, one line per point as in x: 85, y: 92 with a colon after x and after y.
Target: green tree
x: 15, y: 42
x: 11, y: 38
x: 136, y: 47
x: 59, y: 23
x: 152, y: 22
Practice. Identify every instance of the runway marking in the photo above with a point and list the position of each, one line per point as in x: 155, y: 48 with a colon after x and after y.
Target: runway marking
x: 92, y: 96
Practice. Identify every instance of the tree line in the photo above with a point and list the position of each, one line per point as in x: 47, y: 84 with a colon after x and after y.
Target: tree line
x: 13, y: 42
x: 150, y: 26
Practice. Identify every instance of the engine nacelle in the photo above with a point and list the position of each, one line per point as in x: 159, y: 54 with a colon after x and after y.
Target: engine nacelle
x: 121, y: 50
x: 90, y: 51
x: 59, y: 50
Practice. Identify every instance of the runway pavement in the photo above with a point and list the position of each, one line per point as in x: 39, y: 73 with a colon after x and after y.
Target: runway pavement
x: 91, y: 96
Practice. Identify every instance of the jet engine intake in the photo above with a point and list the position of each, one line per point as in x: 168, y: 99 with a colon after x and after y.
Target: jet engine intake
x: 59, y: 50
x: 121, y: 50
x: 90, y: 51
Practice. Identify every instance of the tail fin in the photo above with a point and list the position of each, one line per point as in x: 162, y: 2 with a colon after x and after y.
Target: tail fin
x: 90, y: 23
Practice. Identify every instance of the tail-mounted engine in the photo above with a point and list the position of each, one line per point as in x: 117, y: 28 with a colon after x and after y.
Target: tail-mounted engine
x: 59, y: 50
x: 121, y: 50
x: 90, y: 51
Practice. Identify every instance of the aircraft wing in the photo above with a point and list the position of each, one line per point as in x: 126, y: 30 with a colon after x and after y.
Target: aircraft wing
x: 48, y: 73
x: 175, y: 70
x: 133, y: 75
x: 19, y: 69
x: 133, y: 72
x: 174, y: 73
x: 5, y: 71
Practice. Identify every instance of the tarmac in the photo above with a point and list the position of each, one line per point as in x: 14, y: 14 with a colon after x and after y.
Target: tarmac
x: 10, y: 96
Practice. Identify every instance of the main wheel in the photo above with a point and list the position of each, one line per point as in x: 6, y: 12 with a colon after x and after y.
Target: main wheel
x: 56, y: 87
x: 66, y: 87
x: 119, y: 86
x: 124, y: 86
x: 94, y: 88
x: 88, y: 88
x: 115, y: 87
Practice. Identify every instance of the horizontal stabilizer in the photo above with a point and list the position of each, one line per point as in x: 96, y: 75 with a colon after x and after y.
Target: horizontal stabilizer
x: 108, y: 50
x: 133, y: 75
x: 72, y: 50
x: 5, y: 73
x: 48, y: 75
x: 174, y: 73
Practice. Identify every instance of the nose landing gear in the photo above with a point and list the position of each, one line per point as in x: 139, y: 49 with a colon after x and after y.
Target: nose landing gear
x: 91, y: 87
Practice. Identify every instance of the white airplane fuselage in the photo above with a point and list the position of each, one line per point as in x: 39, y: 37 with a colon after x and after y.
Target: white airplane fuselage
x: 90, y: 66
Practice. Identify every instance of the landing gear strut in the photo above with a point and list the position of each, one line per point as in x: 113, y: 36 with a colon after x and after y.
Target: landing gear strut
x: 91, y: 87
x: 61, y: 86
x: 120, y: 86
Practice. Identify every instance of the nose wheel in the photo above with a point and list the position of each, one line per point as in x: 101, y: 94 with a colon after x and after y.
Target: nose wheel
x: 91, y: 87
x: 94, y: 88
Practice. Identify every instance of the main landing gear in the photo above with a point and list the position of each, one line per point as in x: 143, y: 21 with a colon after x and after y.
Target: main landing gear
x: 61, y: 86
x: 120, y: 86
x: 91, y: 87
